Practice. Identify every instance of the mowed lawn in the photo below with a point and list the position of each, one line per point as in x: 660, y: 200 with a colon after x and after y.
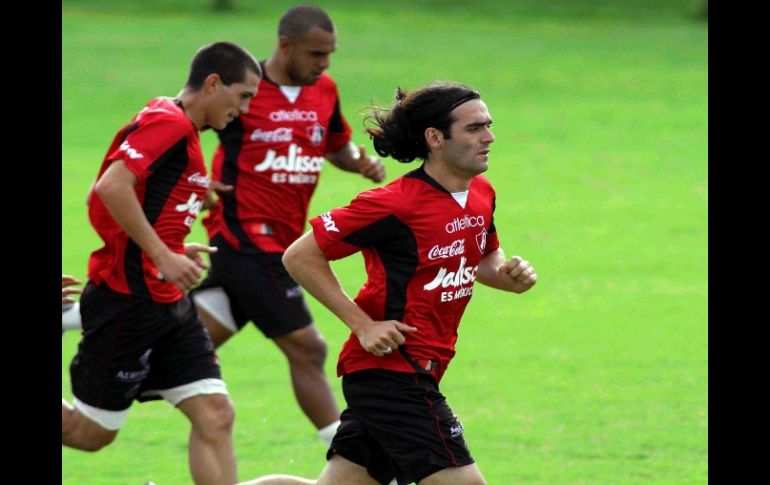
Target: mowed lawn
x: 599, y: 375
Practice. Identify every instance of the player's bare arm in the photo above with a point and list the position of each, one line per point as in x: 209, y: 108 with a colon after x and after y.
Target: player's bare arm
x: 515, y: 274
x: 307, y: 264
x: 354, y: 159
x: 116, y: 189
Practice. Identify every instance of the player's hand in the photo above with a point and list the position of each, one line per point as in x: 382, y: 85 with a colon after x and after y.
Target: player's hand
x: 517, y: 274
x: 382, y: 338
x: 67, y: 280
x: 194, y: 250
x: 179, y: 269
x: 215, y: 187
x: 370, y: 167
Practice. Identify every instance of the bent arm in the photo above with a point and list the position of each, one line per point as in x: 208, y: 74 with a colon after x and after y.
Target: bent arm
x: 116, y: 190
x: 515, y: 274
x: 352, y: 159
x: 307, y: 264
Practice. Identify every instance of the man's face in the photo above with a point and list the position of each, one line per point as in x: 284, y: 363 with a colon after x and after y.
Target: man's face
x: 231, y: 101
x: 467, y: 151
x: 308, y: 57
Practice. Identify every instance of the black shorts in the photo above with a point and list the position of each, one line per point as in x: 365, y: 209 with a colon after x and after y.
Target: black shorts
x: 131, y: 345
x: 259, y: 289
x: 398, y: 424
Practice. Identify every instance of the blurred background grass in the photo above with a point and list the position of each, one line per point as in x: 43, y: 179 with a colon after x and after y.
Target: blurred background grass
x: 599, y: 374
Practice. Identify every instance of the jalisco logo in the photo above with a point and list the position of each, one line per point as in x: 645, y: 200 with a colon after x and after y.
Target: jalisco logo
x: 192, y: 206
x: 279, y: 134
x: 329, y: 224
x: 294, y: 162
x: 458, y: 224
x: 293, y: 115
x: 455, y: 279
x: 199, y: 180
x: 442, y: 252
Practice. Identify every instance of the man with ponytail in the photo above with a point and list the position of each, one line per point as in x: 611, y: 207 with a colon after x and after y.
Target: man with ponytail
x: 426, y: 238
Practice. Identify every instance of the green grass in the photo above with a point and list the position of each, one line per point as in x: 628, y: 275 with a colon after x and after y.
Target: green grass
x: 599, y: 375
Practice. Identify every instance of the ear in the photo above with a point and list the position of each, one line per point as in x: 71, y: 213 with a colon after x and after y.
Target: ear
x: 433, y: 138
x: 284, y: 42
x: 211, y: 82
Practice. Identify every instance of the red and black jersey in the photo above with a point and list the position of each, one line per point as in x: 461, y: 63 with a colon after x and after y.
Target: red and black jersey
x: 273, y: 156
x: 421, y: 250
x: 161, y: 147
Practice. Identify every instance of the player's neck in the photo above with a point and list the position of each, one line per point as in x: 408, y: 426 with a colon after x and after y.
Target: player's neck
x: 276, y: 72
x: 452, y: 180
x: 188, y: 102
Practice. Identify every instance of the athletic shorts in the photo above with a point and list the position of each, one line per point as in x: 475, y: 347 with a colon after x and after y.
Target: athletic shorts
x: 398, y: 424
x: 134, y: 349
x: 259, y: 288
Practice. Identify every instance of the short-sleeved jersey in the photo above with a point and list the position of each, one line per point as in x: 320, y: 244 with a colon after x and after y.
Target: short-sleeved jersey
x: 273, y: 156
x: 421, y: 250
x: 162, y: 148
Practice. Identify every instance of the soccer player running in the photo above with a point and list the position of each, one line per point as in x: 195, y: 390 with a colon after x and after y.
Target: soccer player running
x: 270, y: 159
x: 142, y: 338
x: 426, y: 238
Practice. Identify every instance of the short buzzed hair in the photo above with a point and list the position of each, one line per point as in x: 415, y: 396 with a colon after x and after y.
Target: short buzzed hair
x: 297, y: 21
x: 229, y: 60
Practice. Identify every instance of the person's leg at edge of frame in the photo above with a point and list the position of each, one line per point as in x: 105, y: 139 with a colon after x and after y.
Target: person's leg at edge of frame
x: 279, y: 480
x: 306, y: 351
x: 79, y: 432
x: 462, y: 475
x: 337, y: 470
x: 212, y: 459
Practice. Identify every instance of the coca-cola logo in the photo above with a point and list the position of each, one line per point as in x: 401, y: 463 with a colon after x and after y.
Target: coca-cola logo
x: 199, y: 180
x: 279, y: 134
x: 442, y: 252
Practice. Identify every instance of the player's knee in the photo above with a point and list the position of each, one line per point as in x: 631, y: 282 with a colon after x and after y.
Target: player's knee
x: 218, y: 417
x: 304, y: 348
x: 87, y: 441
x: 313, y: 351
x: 96, y: 442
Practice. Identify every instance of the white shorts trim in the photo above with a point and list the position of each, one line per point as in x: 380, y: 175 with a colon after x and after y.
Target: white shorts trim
x: 175, y: 395
x: 111, y: 420
x: 70, y: 316
x: 217, y: 304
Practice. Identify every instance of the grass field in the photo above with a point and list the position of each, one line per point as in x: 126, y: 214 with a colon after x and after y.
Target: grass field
x: 599, y: 375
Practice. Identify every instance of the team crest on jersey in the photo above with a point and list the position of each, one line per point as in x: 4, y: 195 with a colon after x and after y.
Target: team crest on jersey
x: 316, y: 133
x: 481, y: 240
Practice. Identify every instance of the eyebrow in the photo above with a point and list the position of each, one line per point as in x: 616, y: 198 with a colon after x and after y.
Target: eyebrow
x: 479, y: 124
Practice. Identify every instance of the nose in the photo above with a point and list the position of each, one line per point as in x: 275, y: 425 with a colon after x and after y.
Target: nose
x: 488, y: 137
x: 325, y: 62
x: 243, y: 108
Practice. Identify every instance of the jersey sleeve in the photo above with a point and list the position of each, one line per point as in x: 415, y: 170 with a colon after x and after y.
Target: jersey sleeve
x: 493, y: 243
x: 144, y: 147
x: 339, y: 130
x: 339, y: 232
